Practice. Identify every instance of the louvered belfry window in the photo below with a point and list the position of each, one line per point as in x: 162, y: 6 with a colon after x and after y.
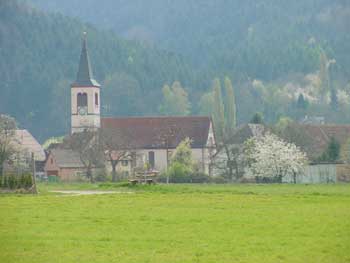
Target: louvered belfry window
x: 96, y: 99
x: 82, y: 100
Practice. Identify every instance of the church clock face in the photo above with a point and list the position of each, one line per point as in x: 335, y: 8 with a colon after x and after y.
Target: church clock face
x: 84, y: 122
x: 82, y: 110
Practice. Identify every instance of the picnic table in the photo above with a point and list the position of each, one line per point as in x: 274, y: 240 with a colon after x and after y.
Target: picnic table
x: 146, y: 177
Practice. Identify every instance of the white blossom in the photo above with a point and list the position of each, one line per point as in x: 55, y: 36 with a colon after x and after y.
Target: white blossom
x: 270, y: 156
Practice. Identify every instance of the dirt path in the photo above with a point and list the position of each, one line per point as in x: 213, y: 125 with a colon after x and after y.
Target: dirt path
x: 87, y: 192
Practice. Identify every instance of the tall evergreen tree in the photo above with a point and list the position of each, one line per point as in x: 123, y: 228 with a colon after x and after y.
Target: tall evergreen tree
x: 332, y: 153
x: 302, y: 103
x: 258, y: 118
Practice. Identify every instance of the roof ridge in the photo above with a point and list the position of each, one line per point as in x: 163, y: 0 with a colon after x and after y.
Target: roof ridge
x: 327, y: 125
x: 156, y: 117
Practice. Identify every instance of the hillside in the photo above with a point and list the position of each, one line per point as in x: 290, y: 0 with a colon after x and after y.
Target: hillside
x: 259, y: 39
x: 272, y: 51
x: 39, y: 59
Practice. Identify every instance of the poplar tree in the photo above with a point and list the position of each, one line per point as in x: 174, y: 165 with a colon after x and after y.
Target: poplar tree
x: 324, y: 76
x: 230, y: 108
x: 219, y: 112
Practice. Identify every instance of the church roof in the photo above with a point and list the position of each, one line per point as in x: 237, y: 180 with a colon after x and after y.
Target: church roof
x: 159, y: 132
x: 85, y: 76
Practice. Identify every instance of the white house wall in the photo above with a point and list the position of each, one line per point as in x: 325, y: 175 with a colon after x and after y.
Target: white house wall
x: 160, y: 155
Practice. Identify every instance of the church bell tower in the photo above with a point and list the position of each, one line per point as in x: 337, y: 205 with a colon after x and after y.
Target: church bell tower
x: 85, y: 96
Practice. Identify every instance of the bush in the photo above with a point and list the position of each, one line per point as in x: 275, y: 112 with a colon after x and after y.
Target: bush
x: 218, y: 180
x: 101, y: 176
x: 27, y: 181
x: 179, y: 173
x: 11, y: 181
x: 268, y: 180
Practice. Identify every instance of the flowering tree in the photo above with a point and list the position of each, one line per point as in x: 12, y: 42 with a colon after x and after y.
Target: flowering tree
x: 7, y: 136
x: 271, y: 157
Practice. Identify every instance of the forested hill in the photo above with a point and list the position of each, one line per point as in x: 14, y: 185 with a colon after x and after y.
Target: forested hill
x: 263, y: 39
x: 285, y: 58
x: 39, y: 58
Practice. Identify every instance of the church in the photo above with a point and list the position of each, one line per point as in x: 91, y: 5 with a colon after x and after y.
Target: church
x: 153, y: 139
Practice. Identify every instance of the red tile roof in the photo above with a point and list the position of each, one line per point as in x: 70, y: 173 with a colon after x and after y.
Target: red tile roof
x: 157, y: 132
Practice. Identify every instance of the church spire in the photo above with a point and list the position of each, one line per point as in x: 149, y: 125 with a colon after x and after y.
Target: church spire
x: 85, y: 77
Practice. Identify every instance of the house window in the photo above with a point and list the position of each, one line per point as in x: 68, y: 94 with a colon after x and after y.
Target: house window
x: 82, y: 100
x: 151, y: 159
x: 125, y: 163
x: 51, y: 161
x: 96, y: 99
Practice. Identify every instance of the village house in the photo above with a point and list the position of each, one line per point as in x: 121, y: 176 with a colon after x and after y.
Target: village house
x: 27, y: 147
x: 64, y: 164
x: 314, y: 140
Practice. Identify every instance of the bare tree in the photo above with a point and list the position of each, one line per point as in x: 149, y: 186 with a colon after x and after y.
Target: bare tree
x: 168, y: 140
x: 229, y: 161
x: 87, y: 144
x: 117, y: 147
x: 7, y: 135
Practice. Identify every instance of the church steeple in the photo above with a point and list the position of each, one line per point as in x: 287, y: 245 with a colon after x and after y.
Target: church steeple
x: 85, y: 76
x: 85, y: 96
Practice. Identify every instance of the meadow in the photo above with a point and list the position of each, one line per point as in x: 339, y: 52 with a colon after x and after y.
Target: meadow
x: 178, y: 223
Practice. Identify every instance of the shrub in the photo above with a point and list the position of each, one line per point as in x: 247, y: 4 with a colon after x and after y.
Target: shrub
x: 5, y: 184
x: 218, y: 180
x: 12, y: 181
x: 27, y: 181
x: 179, y: 173
x: 101, y: 176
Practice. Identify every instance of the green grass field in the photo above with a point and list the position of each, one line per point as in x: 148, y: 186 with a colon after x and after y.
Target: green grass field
x: 178, y: 223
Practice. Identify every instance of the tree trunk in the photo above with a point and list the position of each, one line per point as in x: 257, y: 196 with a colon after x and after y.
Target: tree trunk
x: 89, y: 174
x: 167, y: 164
x: 280, y: 178
x: 230, y: 171
x: 237, y: 171
x: 2, y: 177
x: 114, y: 172
x: 229, y: 164
x: 35, y: 190
x: 294, y: 178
